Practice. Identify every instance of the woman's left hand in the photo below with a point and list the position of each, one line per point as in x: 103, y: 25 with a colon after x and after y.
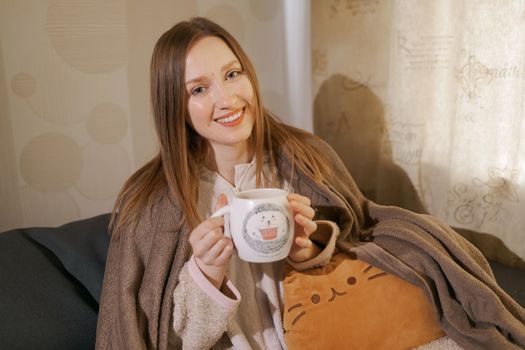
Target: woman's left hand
x: 302, y: 248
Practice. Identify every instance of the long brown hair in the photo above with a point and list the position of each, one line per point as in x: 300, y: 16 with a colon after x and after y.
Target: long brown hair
x: 182, y: 150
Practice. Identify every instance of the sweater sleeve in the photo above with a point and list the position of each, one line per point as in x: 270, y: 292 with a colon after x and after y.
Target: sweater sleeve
x: 325, y: 237
x: 200, y: 311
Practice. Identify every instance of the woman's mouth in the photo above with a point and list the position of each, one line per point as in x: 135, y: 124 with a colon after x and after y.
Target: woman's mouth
x: 232, y: 119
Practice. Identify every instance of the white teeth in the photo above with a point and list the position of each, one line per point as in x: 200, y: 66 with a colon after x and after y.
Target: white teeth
x: 230, y: 118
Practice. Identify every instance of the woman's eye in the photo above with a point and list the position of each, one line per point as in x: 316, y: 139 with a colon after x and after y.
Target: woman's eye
x: 232, y: 74
x: 198, y: 90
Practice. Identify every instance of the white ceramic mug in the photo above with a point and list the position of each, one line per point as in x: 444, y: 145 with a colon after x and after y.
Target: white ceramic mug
x: 261, y: 224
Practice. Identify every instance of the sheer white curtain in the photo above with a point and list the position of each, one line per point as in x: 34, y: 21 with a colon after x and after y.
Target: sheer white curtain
x: 424, y: 100
x: 298, y: 62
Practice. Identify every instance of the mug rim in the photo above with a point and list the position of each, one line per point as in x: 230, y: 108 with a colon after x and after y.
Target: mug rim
x: 279, y: 193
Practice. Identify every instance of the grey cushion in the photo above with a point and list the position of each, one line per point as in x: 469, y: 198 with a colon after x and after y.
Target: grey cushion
x: 50, y: 282
x: 81, y: 246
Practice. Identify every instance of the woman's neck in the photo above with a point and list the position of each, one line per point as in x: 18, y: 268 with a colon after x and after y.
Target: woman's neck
x: 227, y: 157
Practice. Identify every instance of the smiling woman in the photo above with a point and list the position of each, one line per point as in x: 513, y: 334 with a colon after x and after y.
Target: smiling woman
x: 173, y: 278
x: 216, y: 138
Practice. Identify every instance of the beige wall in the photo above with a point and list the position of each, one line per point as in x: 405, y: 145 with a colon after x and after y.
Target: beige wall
x: 74, y: 108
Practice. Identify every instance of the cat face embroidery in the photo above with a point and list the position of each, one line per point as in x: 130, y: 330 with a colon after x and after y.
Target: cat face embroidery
x: 348, y: 304
x: 331, y: 289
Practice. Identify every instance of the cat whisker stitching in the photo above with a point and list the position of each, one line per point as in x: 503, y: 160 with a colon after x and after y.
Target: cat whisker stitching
x: 298, y: 317
x: 294, y: 306
x: 367, y: 269
x: 335, y: 294
x: 381, y: 274
x: 377, y: 275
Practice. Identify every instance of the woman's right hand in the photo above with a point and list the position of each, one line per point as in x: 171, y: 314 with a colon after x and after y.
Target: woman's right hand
x: 211, y: 248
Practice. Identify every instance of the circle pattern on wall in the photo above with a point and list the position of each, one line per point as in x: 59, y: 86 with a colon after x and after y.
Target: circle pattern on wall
x: 229, y: 18
x: 105, y: 171
x: 23, y: 84
x: 265, y: 10
x: 51, y: 162
x: 49, y: 208
x: 90, y: 36
x: 107, y: 123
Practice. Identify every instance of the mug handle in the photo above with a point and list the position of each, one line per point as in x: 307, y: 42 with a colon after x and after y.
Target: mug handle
x: 224, y: 210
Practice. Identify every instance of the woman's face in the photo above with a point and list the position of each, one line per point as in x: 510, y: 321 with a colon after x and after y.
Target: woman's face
x: 220, y: 95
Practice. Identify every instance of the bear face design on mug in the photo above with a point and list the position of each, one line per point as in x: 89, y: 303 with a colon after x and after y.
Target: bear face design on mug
x: 265, y: 228
x: 261, y: 224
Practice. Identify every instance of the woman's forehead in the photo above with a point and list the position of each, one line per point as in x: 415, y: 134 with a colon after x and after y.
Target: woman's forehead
x: 207, y: 56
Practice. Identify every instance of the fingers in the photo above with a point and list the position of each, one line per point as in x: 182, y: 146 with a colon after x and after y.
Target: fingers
x: 219, y: 253
x: 299, y: 198
x: 304, y: 228
x: 301, y: 205
x: 224, y: 254
x: 209, y: 243
x: 308, y: 225
x: 212, y: 248
x: 206, y: 226
x: 205, y: 244
x: 303, y: 215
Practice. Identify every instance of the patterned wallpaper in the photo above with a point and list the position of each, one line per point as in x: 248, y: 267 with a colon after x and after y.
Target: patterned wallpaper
x: 74, y: 95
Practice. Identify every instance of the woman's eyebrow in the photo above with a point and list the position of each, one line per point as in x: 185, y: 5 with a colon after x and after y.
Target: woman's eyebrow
x: 230, y: 64
x: 195, y: 80
x: 223, y: 69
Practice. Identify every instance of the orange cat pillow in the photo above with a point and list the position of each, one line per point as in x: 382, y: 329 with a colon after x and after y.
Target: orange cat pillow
x: 349, y: 304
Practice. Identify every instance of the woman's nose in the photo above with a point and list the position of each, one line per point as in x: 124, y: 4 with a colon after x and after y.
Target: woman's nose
x: 224, y: 96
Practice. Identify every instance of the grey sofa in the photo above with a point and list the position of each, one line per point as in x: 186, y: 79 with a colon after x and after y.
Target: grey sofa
x: 51, y: 278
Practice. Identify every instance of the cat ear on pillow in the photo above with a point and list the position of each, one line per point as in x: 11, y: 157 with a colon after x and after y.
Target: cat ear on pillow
x: 350, y: 304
